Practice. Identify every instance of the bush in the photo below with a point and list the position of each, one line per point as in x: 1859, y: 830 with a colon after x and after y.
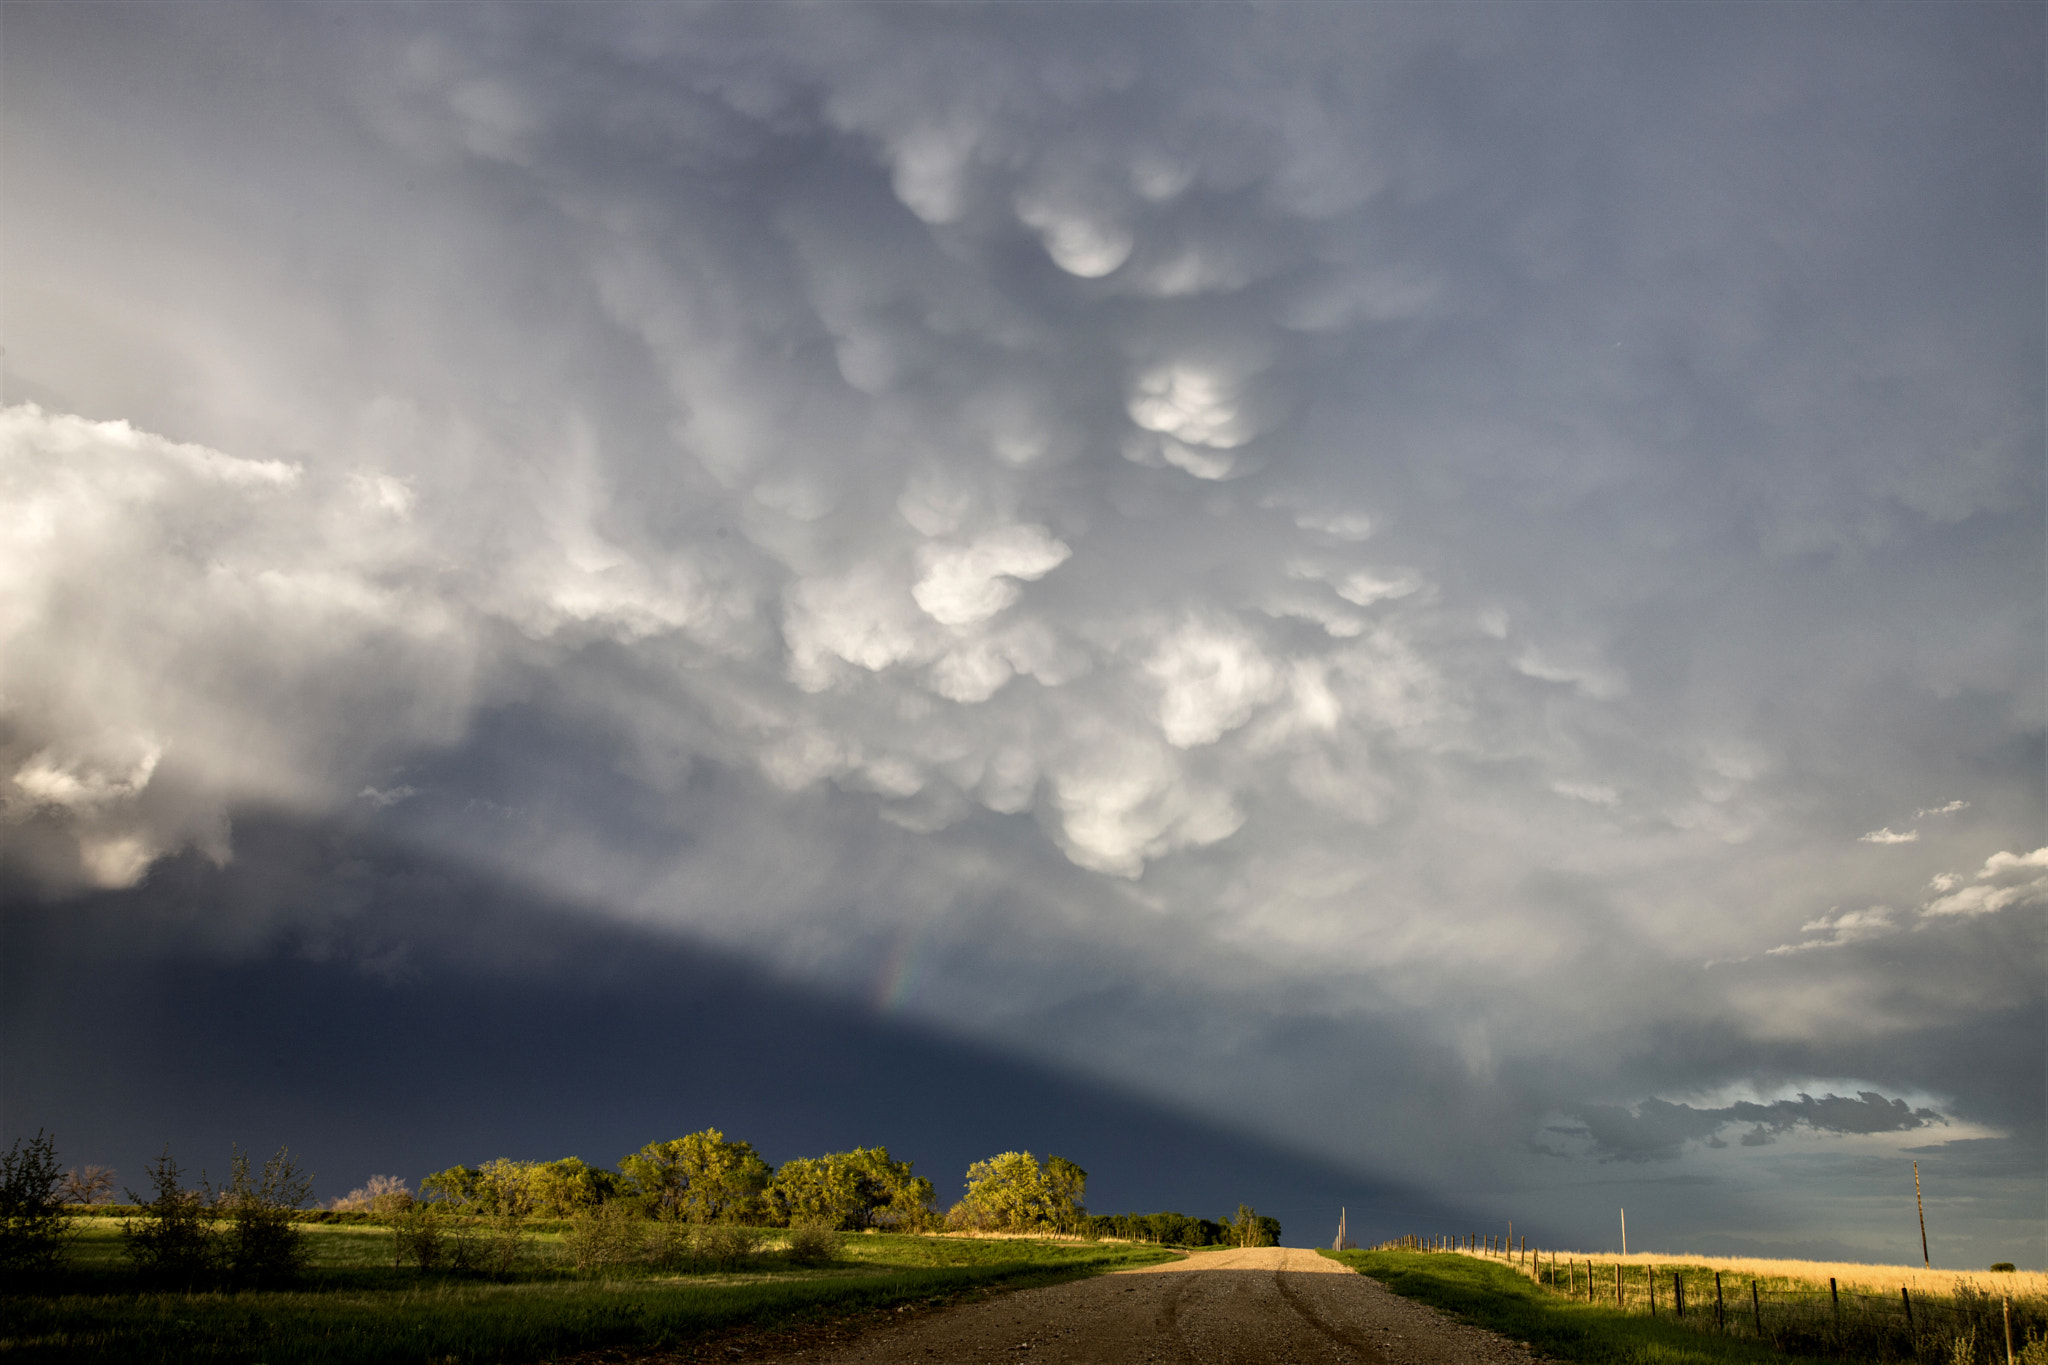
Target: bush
x: 607, y: 1235
x: 668, y: 1245
x: 261, y: 1246
x: 33, y: 1223
x: 417, y: 1235
x: 812, y: 1241
x: 173, y: 1239
x: 724, y: 1245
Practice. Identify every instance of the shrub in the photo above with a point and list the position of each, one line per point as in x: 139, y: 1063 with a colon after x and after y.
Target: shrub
x: 33, y: 1224
x: 2004, y: 1268
x: 812, y: 1241
x: 668, y: 1245
x: 173, y: 1239
x: 724, y: 1245
x: 417, y: 1235
x: 261, y: 1245
x: 607, y: 1235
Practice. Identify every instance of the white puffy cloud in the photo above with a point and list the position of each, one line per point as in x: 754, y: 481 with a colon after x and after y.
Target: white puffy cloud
x: 1889, y: 836
x: 1838, y: 928
x: 964, y: 584
x: 182, y: 630
x: 2005, y: 881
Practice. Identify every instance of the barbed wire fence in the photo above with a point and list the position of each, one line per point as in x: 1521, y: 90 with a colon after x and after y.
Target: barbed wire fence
x: 1966, y: 1326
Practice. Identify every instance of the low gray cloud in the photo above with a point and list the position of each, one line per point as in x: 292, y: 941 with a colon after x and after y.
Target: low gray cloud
x: 1659, y: 1130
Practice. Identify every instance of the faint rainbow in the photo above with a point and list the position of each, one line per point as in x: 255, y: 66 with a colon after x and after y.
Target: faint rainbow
x: 900, y: 972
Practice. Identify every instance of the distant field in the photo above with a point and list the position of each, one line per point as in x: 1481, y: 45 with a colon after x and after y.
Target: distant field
x: 355, y: 1306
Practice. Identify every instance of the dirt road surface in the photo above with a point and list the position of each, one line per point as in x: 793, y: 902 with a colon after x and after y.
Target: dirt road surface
x: 1262, y: 1307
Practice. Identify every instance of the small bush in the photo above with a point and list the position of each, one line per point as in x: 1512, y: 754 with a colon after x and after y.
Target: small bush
x: 33, y: 1224
x: 724, y: 1245
x: 172, y: 1239
x: 417, y: 1235
x: 2004, y: 1268
x: 262, y: 1247
x: 608, y: 1235
x: 668, y: 1245
x: 812, y: 1241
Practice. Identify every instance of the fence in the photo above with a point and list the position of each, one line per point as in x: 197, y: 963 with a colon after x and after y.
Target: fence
x: 1964, y: 1327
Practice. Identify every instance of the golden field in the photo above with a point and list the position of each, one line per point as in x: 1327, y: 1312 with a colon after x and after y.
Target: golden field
x: 1848, y: 1274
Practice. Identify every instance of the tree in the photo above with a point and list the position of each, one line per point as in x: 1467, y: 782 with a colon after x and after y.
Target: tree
x: 851, y: 1191
x: 1066, y: 1189
x: 174, y: 1239
x: 87, y: 1185
x: 1250, y: 1229
x: 33, y: 1223
x: 700, y: 1178
x: 1012, y: 1192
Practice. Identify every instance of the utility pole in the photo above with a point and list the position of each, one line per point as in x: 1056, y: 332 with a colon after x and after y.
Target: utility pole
x: 1624, y: 1229
x: 1925, y: 1260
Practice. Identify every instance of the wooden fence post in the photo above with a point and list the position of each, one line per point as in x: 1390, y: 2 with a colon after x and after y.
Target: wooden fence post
x: 2008, y: 1329
x: 1757, y: 1304
x: 1720, y: 1309
x: 1650, y: 1285
x: 1678, y: 1293
x: 1619, y: 1302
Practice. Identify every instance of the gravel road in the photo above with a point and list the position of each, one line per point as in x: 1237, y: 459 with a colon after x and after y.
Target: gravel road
x: 1215, y: 1308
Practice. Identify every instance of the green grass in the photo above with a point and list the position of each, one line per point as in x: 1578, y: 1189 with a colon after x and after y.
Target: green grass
x: 1493, y: 1296
x: 354, y: 1306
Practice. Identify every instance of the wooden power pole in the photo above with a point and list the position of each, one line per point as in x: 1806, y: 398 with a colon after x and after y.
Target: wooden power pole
x: 1925, y: 1261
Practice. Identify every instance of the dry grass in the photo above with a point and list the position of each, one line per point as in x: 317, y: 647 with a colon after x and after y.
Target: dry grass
x: 1849, y: 1274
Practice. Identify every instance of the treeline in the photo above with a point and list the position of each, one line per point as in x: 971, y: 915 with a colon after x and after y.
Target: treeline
x: 704, y: 1178
x: 1247, y: 1228
x: 699, y: 1198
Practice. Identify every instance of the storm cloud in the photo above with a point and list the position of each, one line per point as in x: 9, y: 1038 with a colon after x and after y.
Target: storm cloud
x: 1316, y: 563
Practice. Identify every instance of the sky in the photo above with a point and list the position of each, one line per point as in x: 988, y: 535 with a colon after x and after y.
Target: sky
x: 1436, y: 610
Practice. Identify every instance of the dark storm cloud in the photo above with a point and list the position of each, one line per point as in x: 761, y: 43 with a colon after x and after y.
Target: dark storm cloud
x: 1318, y: 561
x: 1658, y: 1130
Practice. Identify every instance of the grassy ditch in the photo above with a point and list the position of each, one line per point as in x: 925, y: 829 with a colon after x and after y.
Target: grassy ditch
x: 1492, y: 1295
x: 353, y: 1305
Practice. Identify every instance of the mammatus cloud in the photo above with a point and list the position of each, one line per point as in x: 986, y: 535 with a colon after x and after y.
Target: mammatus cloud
x: 1658, y: 1130
x: 2005, y: 881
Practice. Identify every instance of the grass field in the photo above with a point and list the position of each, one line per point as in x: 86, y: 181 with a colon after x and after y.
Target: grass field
x: 1494, y: 1296
x: 1799, y: 1317
x: 353, y: 1305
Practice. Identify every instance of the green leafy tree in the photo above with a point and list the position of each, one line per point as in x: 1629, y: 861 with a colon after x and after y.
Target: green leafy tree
x: 458, y: 1186
x: 1012, y: 1192
x: 1249, y: 1229
x: 700, y: 1178
x: 174, y: 1239
x: 33, y: 1223
x: 1066, y: 1193
x: 851, y: 1191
